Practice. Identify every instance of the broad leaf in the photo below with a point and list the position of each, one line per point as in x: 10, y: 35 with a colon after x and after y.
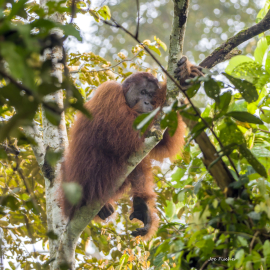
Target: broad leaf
x: 247, y: 89
x: 253, y: 161
x: 245, y: 117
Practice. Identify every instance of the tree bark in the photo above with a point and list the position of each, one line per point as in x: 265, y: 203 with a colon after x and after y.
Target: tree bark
x: 180, y: 15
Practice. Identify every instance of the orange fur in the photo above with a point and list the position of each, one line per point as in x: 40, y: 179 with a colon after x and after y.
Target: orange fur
x: 99, y: 149
x: 169, y: 146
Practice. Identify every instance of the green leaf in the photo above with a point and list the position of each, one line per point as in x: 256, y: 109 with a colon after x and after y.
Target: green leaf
x: 212, y: 89
x: 31, y: 206
x: 266, y: 248
x: 11, y: 202
x: 18, y: 8
x: 73, y: 192
x: 52, y: 235
x: 253, y: 73
x: 54, y: 117
x: 230, y: 134
x: 170, y: 120
x: 14, y: 59
x: 177, y: 176
x: 240, y: 183
x: 158, y: 260
x: 253, y: 161
x: 155, y: 49
x: 190, y: 113
x: 170, y: 209
x: 193, y: 89
x: 245, y: 117
x: 11, y: 264
x: 267, y: 62
x: 224, y: 103
x: 239, y: 256
x: 123, y: 260
x: 160, y: 43
x: 265, y: 115
x: 3, y: 154
x: 70, y: 30
x: 254, y: 215
x: 247, y: 89
x: 48, y: 88
x: 263, y: 12
x: 105, y: 12
x: 260, y: 50
x: 144, y: 120
x: 53, y: 157
x: 235, y: 61
x: 200, y: 127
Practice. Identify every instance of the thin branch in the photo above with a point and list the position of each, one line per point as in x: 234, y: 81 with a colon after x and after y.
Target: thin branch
x: 220, y: 53
x: 73, y: 11
x: 10, y: 149
x: 262, y: 130
x: 138, y: 19
x: 252, y: 241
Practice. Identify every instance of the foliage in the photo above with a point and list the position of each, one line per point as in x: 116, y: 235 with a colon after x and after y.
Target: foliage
x: 200, y: 225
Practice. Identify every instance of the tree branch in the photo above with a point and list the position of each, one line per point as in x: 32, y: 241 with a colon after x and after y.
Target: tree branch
x: 85, y: 214
x: 220, y: 53
x: 138, y: 19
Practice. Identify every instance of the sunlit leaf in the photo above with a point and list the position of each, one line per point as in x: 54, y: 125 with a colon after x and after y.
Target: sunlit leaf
x: 247, y: 89
x: 260, y: 50
x: 73, y: 192
x: 144, y: 120
x: 235, y: 61
x: 245, y: 117
x: 212, y: 89
x: 253, y: 161
x: 154, y: 49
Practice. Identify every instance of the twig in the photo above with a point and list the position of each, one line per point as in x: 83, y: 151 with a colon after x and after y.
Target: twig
x: 138, y: 19
x: 73, y: 11
x: 10, y: 149
x: 252, y: 241
x: 265, y: 131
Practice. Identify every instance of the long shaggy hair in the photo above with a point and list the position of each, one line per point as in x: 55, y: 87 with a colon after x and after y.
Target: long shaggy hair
x: 99, y: 148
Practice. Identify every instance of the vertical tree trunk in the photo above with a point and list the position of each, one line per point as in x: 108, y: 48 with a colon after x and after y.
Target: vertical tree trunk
x: 54, y: 139
x: 180, y: 14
